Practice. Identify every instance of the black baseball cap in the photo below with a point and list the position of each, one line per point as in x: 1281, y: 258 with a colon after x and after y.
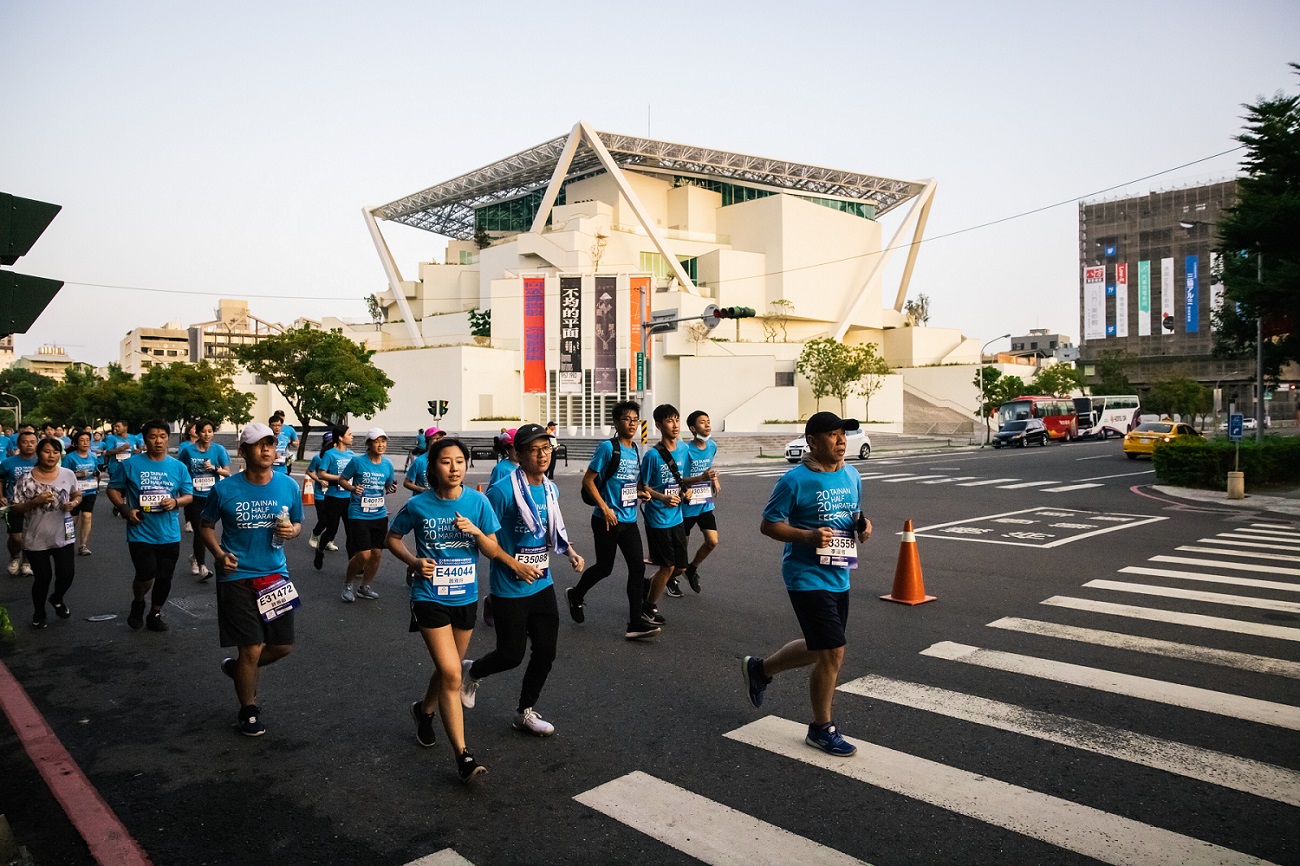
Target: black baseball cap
x: 825, y: 422
x: 528, y: 433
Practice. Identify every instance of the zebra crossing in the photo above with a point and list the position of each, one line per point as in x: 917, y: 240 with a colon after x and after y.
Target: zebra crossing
x: 713, y: 832
x: 930, y: 476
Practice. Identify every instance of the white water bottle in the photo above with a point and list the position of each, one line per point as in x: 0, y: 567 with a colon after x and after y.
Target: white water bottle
x: 282, y: 520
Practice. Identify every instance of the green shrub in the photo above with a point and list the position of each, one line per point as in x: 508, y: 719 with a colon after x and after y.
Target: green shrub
x: 1206, y: 463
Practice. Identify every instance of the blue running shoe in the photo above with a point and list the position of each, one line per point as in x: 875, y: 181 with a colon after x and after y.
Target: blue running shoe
x: 827, y: 738
x: 751, y: 668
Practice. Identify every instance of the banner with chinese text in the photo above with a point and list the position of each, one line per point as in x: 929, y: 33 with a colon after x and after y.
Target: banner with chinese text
x: 534, y: 335
x: 570, y: 373
x: 604, y: 376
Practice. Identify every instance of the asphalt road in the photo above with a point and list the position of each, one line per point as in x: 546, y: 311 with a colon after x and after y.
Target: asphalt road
x: 1026, y: 742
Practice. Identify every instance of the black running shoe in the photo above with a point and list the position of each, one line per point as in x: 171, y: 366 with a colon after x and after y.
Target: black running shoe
x: 751, y: 668
x: 693, y: 578
x: 318, y: 561
x: 249, y: 723
x: 154, y: 622
x: 640, y: 630
x: 651, y: 614
x: 135, y: 618
x: 575, y: 607
x: 673, y: 589
x: 60, y: 609
x: 425, y: 735
x: 468, y: 768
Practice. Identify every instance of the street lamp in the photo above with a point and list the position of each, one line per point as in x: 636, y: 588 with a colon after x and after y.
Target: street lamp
x: 18, y: 415
x: 980, y: 401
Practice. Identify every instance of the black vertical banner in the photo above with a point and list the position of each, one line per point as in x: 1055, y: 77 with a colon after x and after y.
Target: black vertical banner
x: 570, y: 377
x: 604, y: 379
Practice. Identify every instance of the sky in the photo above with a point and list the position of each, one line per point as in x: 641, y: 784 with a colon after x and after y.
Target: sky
x: 209, y: 150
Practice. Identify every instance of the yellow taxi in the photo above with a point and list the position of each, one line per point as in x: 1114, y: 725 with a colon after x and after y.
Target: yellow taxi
x: 1145, y: 438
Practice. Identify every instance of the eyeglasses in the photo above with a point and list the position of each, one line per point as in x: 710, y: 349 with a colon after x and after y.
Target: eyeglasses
x: 629, y: 418
x: 540, y: 449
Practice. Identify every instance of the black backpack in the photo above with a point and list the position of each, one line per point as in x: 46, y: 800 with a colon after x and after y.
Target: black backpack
x: 672, y: 466
x: 607, y: 471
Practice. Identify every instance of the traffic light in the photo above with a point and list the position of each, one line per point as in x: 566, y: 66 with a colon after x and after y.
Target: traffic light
x: 734, y: 312
x: 438, y: 408
x: 442, y: 408
x: 22, y: 298
x: 433, y: 408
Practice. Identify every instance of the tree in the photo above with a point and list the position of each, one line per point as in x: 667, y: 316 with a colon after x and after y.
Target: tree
x: 375, y: 308
x: 918, y: 311
x: 322, y: 375
x: 997, y: 389
x: 868, y: 371
x: 72, y: 400
x: 480, y: 324
x: 1179, y: 395
x: 778, y: 316
x: 1112, y: 373
x: 1259, y: 239
x: 117, y: 397
x: 1058, y: 380
x: 183, y: 392
x: 827, y: 366
x: 26, y: 386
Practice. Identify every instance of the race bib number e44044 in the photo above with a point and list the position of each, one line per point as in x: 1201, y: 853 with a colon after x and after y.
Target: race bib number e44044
x: 453, y: 578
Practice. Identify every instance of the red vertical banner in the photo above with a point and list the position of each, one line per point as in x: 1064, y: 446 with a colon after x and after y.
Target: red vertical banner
x: 638, y: 288
x: 534, y: 335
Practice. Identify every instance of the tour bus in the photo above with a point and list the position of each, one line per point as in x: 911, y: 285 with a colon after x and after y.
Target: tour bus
x: 1107, y: 416
x: 1057, y: 414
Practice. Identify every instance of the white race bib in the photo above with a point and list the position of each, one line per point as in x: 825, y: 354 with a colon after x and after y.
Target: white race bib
x: 152, y: 500
x: 87, y: 485
x: 538, y: 557
x: 701, y: 493
x: 372, y: 503
x: 672, y: 490
x: 69, y: 528
x: 627, y: 494
x: 122, y: 455
x: 204, y: 482
x: 842, y: 552
x: 448, y: 577
x: 276, y: 600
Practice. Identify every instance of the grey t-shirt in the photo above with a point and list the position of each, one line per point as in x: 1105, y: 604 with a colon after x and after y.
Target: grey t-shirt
x: 43, y: 528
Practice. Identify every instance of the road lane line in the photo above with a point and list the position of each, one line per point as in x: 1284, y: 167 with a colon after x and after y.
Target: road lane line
x: 1238, y: 541
x: 445, y: 857
x: 950, y: 480
x: 1196, y: 595
x: 1025, y: 484
x: 1274, y: 526
x: 1193, y: 762
x: 901, y: 476
x: 1091, y: 832
x: 1071, y: 487
x: 1251, y: 554
x: 908, y: 478
x: 1153, y: 646
x: 1236, y: 566
x: 1121, y: 475
x: 1096, y: 457
x: 1128, y: 685
x: 1217, y: 623
x: 987, y: 481
x: 702, y: 828
x: 1268, y: 533
x: 1212, y: 578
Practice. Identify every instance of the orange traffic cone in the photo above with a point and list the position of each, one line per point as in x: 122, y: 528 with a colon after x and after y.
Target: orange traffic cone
x: 909, y: 587
x: 308, y: 492
x: 479, y: 486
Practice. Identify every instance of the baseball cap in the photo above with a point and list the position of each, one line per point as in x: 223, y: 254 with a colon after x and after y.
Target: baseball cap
x: 825, y: 422
x: 377, y: 433
x: 529, y: 433
x: 508, y: 437
x: 434, y: 431
x: 254, y: 433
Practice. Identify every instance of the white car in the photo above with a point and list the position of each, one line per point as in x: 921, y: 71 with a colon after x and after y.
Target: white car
x: 858, y: 441
x: 1247, y: 423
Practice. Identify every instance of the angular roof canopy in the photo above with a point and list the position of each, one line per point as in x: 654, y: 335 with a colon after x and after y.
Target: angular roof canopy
x: 448, y: 208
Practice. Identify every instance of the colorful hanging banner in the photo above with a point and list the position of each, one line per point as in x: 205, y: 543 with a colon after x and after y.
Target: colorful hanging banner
x: 1094, y: 302
x: 534, y: 335
x: 1192, y: 316
x: 1144, y: 299
x: 604, y: 376
x: 570, y: 374
x: 1167, y: 292
x: 1216, y: 290
x: 1121, y: 299
x: 639, y: 290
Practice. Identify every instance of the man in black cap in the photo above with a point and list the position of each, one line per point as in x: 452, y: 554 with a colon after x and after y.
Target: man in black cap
x: 816, y: 510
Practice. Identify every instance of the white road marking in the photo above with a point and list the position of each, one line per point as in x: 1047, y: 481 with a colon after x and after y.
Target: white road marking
x: 909, y: 478
x: 1196, y: 595
x: 1196, y: 620
x: 1212, y: 578
x: 1114, y: 682
x: 702, y: 828
x: 1116, y: 522
x: 901, y: 476
x: 1277, y: 557
x: 1279, y: 526
x: 987, y: 481
x: 1096, y: 457
x: 1074, y: 827
x: 1025, y: 484
x: 445, y: 857
x: 1237, y: 541
x: 1071, y: 487
x: 1236, y: 566
x: 1121, y: 475
x: 1152, y: 646
x: 1217, y: 768
x: 950, y: 480
x: 1268, y: 533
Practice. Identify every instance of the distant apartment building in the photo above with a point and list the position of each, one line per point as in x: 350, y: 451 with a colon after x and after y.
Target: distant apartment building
x: 143, y: 348
x: 50, y: 361
x: 1038, y: 343
x: 6, y: 351
x: 234, y: 326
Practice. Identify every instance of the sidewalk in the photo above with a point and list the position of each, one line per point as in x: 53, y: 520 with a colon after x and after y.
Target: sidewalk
x: 1277, y: 501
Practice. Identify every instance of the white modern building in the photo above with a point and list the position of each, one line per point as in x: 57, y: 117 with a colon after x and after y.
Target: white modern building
x: 572, y: 244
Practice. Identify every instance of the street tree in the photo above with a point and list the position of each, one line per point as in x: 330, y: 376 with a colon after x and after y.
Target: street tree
x: 184, y: 392
x: 1112, y: 373
x: 1058, y: 380
x: 72, y: 401
x: 827, y: 365
x: 1179, y: 395
x: 918, y: 311
x: 26, y: 386
x: 998, y: 388
x: 778, y: 316
x: 869, y: 371
x: 118, y: 397
x: 1259, y: 239
x: 322, y: 375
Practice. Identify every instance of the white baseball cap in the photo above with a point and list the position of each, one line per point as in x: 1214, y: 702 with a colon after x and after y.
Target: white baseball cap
x: 254, y: 433
x: 375, y: 433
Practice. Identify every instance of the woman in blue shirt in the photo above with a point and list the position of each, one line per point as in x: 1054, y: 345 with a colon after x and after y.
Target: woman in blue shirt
x: 334, y: 504
x: 85, y: 466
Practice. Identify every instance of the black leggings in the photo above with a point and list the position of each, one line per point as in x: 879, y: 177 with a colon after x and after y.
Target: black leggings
x: 627, y: 538
x: 329, y: 511
x: 532, y: 618
x: 57, y: 562
x: 155, y: 562
x: 193, y: 514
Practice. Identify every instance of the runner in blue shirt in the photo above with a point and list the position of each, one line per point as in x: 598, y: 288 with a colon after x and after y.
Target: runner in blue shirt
x: 12, y: 470
x: 208, y: 462
x: 150, y: 490
x: 137, y: 442
x: 117, y: 445
x: 259, y: 510
x: 527, y: 505
x: 610, y: 485
x: 368, y: 478
x: 286, y: 439
x: 97, y: 446
x: 507, y: 463
x: 321, y: 485
x: 452, y: 525
x: 334, y: 504
x: 702, y: 486
x: 816, y: 510
x: 661, y: 483
x: 85, y: 465
x: 417, y: 474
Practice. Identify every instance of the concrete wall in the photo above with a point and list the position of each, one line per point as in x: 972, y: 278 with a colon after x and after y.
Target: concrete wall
x: 917, y: 346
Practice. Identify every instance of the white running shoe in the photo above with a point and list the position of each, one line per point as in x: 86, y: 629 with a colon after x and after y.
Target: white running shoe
x: 27, y: 568
x: 331, y: 546
x: 194, y: 565
x: 468, y: 685
x: 204, y: 574
x: 529, y: 721
x: 188, y: 527
x: 13, y: 566
x: 313, y: 541
x: 349, y: 595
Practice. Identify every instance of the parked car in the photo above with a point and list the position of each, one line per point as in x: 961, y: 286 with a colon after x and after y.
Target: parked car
x: 1247, y: 423
x: 1021, y: 433
x: 1147, y: 437
x: 858, y: 442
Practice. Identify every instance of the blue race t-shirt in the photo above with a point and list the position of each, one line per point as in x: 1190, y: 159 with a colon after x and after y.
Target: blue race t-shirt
x: 333, y: 462
x: 136, y: 440
x: 87, y: 471
x: 371, y: 480
x: 516, y: 540
x: 112, y: 442
x: 806, y: 499
x: 656, y: 474
x: 12, y: 469
x: 287, y: 437
x: 247, y: 513
x: 619, y: 492
x: 97, y: 448
x: 455, y: 581
x: 145, y: 483
x: 418, y: 472
x: 313, y: 466
x: 196, y: 461
x: 501, y: 470
x: 699, y: 461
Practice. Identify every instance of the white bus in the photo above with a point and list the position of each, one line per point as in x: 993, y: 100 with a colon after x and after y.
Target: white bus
x: 1107, y: 416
